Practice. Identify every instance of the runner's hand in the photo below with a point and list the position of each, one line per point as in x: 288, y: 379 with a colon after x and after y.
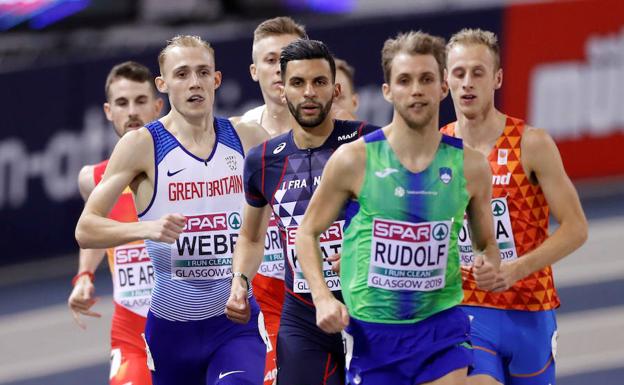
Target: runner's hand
x: 331, y: 315
x: 81, y: 299
x: 334, y: 261
x: 485, y: 274
x: 509, y: 274
x: 166, y: 229
x: 237, y: 308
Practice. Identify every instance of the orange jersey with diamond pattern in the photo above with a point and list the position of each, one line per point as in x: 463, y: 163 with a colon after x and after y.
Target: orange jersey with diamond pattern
x: 528, y: 215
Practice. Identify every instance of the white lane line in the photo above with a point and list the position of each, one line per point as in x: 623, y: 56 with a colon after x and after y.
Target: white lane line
x: 590, y: 340
x: 599, y: 260
x: 46, y: 341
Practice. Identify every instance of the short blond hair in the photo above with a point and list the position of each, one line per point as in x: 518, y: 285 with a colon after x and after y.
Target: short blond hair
x: 282, y: 25
x: 469, y: 36
x: 183, y: 41
x: 413, y: 43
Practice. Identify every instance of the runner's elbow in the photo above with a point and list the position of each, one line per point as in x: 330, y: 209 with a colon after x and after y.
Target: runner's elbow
x: 581, y: 231
x: 82, y: 235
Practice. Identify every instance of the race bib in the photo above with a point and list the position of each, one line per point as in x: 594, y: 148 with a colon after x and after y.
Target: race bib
x: 273, y: 261
x: 502, y: 229
x: 204, y: 249
x: 408, y: 256
x: 134, y: 278
x: 330, y: 243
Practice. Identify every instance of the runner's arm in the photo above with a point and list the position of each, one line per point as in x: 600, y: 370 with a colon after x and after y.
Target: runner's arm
x: 479, y: 185
x: 130, y: 159
x: 247, y: 258
x: 89, y: 259
x: 249, y: 249
x: 81, y: 298
x: 338, y: 184
x: 544, y: 162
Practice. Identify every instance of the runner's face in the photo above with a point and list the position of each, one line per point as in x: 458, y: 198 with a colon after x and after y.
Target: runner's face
x: 131, y: 105
x: 309, y: 91
x: 266, y: 66
x: 415, y: 89
x: 472, y: 78
x: 347, y: 100
x: 190, y: 79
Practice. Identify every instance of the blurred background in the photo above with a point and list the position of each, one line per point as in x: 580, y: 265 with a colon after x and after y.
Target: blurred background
x: 563, y: 67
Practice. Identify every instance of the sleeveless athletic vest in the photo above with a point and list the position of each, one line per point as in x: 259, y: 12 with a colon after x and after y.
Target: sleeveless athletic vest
x: 254, y: 115
x: 520, y: 222
x: 399, y: 260
x: 193, y: 274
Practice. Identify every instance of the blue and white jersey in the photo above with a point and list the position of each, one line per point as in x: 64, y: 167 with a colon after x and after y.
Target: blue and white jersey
x: 193, y: 274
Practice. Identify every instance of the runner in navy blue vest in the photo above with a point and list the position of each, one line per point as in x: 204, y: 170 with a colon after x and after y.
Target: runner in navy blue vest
x: 280, y: 176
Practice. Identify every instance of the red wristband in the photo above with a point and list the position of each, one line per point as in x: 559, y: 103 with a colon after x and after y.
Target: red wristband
x: 90, y: 274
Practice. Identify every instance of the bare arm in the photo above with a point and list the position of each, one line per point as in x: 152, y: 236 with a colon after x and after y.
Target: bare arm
x: 132, y: 157
x: 81, y: 298
x: 89, y: 259
x: 479, y: 185
x: 341, y: 180
x: 541, y: 159
x: 247, y: 258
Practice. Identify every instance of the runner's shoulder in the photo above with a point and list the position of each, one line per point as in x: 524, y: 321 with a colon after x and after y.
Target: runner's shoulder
x: 350, y: 130
x: 273, y: 150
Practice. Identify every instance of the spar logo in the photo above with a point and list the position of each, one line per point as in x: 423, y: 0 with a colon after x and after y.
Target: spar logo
x: 131, y: 255
x: 498, y: 207
x: 440, y: 231
x: 402, y: 231
x: 333, y: 233
x: 234, y: 220
x: 206, y: 222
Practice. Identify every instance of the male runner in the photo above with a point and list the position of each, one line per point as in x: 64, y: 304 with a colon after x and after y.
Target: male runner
x: 185, y: 171
x: 281, y: 175
x: 268, y: 285
x: 513, y: 332
x: 400, y: 268
x: 269, y: 38
x: 347, y: 103
x: 131, y: 102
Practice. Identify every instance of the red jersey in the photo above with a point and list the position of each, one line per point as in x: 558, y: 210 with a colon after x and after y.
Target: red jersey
x: 132, y: 273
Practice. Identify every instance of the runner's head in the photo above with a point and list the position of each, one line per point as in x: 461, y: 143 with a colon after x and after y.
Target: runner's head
x: 309, y: 75
x: 131, y: 97
x: 474, y: 71
x: 348, y: 98
x: 188, y: 74
x: 269, y: 39
x: 413, y: 65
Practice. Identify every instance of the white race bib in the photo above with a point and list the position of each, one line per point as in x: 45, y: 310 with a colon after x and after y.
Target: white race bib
x: 502, y: 230
x: 273, y: 261
x: 330, y: 242
x: 408, y: 256
x: 134, y: 278
x: 204, y: 249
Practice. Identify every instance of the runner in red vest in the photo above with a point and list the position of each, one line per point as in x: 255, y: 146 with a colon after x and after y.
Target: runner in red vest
x: 131, y: 102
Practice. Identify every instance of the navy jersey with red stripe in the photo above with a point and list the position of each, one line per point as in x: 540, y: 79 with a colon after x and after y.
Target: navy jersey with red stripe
x: 280, y: 174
